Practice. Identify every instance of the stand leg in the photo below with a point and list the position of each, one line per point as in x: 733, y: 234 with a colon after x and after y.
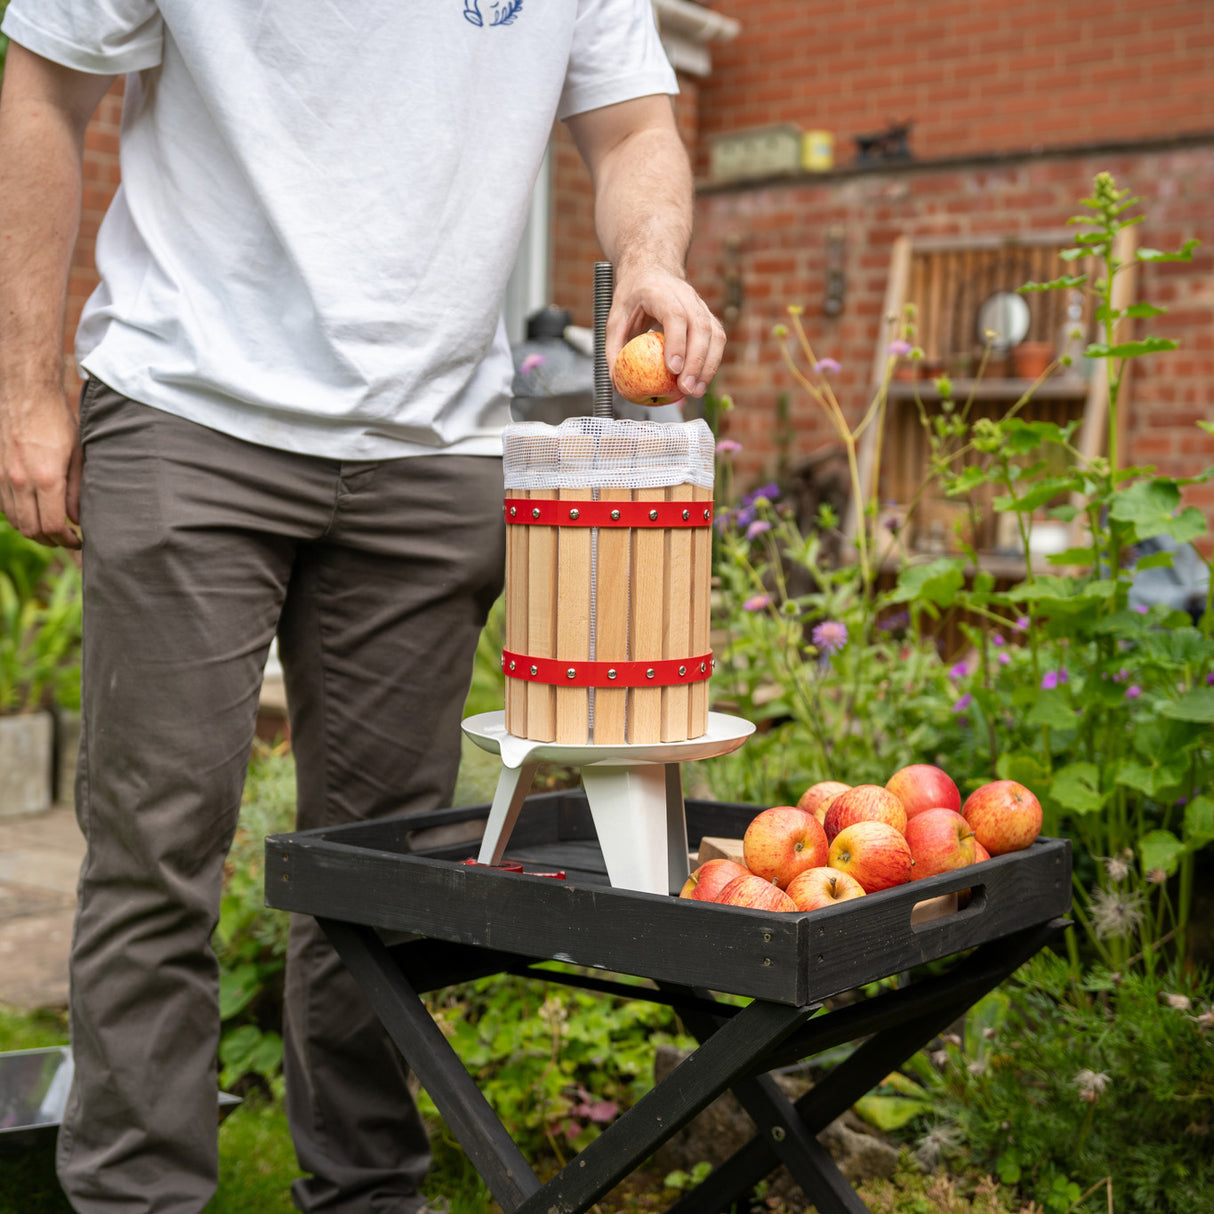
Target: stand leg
x: 676, y: 828
x: 629, y: 807
x: 513, y: 785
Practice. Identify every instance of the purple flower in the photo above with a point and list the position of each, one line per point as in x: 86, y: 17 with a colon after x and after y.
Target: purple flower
x: 757, y: 602
x: 830, y: 636
x: 745, y: 516
x: 1210, y: 679
x: 530, y: 363
x: 963, y: 703
x: 757, y: 528
x: 900, y: 348
x: 1022, y: 623
x: 1052, y: 678
x: 727, y: 446
x: 827, y: 366
x: 770, y: 492
x: 1142, y: 609
x: 959, y: 671
x: 996, y: 639
x: 1133, y: 691
x: 1003, y: 657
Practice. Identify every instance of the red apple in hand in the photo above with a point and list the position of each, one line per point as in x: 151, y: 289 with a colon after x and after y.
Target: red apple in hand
x: 641, y: 374
x: 755, y: 892
x: 1005, y: 816
x: 864, y: 803
x: 783, y: 841
x: 818, y: 887
x: 940, y: 840
x: 874, y: 853
x: 922, y: 786
x: 710, y: 878
x: 816, y: 798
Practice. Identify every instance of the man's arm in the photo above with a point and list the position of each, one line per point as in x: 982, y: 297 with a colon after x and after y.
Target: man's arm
x: 643, y: 215
x: 44, y: 110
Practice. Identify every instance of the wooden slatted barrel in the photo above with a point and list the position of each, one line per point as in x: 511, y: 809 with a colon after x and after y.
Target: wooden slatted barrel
x: 608, y: 548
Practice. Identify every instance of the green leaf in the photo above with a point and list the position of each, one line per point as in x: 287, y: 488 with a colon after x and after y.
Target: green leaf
x: 937, y: 582
x: 1024, y: 767
x: 1160, y: 849
x: 1077, y: 787
x: 1149, y: 779
x: 1185, y: 253
x: 1131, y: 349
x: 1053, y: 709
x: 1148, y: 504
x: 1039, y: 494
x: 237, y: 988
x: 1156, y: 560
x: 1143, y: 311
x: 1072, y: 556
x: 1199, y: 822
x: 890, y: 1112
x: 1197, y: 704
x: 1021, y: 437
x: 1208, y: 427
x: 1056, y: 284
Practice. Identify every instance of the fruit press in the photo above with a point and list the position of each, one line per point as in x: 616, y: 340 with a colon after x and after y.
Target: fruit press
x: 408, y: 914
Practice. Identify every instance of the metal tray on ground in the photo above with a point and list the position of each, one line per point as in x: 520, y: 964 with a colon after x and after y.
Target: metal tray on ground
x: 405, y: 877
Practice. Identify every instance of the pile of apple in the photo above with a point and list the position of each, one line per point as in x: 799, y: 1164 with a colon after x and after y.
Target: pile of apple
x: 840, y: 842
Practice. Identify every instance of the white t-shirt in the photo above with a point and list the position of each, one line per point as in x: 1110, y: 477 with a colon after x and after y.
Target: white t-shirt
x: 321, y: 203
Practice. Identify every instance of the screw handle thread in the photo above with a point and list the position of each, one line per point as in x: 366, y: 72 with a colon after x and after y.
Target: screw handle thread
x: 604, y: 285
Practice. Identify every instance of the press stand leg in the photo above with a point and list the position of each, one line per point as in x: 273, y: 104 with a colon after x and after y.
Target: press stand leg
x: 638, y: 816
x: 513, y: 785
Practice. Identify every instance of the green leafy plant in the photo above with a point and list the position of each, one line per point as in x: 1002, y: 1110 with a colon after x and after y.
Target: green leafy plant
x: 40, y: 626
x: 1071, y: 1091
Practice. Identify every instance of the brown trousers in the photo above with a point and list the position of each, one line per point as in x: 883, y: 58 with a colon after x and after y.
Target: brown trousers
x: 198, y: 548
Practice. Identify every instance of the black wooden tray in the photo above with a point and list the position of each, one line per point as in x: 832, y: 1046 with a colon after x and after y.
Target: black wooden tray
x: 404, y: 875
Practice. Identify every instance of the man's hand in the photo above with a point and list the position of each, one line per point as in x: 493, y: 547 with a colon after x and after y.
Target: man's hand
x: 44, y: 110
x: 643, y: 213
x: 695, y: 340
x: 40, y: 465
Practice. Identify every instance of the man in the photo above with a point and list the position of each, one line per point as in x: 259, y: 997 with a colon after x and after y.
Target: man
x: 297, y: 378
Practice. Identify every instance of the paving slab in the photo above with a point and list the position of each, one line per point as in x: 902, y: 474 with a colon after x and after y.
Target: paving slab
x: 33, y: 960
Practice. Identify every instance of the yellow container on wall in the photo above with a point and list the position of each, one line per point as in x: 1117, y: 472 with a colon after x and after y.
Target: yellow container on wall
x: 818, y: 151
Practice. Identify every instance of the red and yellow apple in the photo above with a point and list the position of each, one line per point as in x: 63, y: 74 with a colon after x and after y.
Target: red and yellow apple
x: 818, y: 887
x: 783, y: 841
x: 922, y: 786
x: 864, y: 803
x: 816, y: 798
x: 875, y: 853
x: 710, y: 878
x: 756, y: 893
x: 940, y: 841
x: 641, y: 374
x: 1005, y: 816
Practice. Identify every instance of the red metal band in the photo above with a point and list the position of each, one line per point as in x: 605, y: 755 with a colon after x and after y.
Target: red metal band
x: 552, y: 512
x: 664, y: 672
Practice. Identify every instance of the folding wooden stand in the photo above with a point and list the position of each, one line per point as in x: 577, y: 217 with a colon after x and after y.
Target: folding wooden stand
x: 405, y: 922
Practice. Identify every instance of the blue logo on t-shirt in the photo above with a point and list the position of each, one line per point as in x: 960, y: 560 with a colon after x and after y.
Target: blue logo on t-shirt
x: 501, y: 12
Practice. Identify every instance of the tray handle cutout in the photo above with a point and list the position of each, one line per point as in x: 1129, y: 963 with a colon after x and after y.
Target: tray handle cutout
x: 950, y: 908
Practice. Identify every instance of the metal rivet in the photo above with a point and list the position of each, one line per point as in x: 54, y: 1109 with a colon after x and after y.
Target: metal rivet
x: 682, y: 670
x: 777, y: 1132
x: 513, y: 511
x: 571, y: 673
x: 649, y: 673
x: 686, y: 515
x: 534, y: 671
x: 611, y: 674
x: 535, y: 513
x: 714, y: 663
x: 653, y: 516
x: 615, y: 516
x: 511, y: 665
x: 573, y: 514
x: 706, y: 515
x: 701, y: 667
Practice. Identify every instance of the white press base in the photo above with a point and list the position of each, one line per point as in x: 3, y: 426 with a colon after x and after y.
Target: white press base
x: 634, y: 791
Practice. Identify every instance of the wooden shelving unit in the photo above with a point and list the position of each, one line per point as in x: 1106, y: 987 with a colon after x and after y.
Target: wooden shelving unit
x: 947, y: 281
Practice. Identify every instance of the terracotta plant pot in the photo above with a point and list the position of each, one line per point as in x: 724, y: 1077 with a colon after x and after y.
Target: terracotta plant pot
x: 1031, y: 358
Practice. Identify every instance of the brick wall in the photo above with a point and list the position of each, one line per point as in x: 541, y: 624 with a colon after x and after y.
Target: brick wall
x: 779, y: 234
x: 974, y: 76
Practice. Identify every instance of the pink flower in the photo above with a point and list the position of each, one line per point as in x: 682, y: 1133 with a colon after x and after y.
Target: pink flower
x: 757, y: 528
x: 1003, y: 657
x: 1052, y: 678
x: 996, y: 639
x: 1133, y: 691
x: 757, y: 602
x: 827, y: 366
x: 1022, y: 623
x: 727, y: 446
x: 900, y: 348
x: 830, y: 636
x: 530, y: 363
x: 962, y: 704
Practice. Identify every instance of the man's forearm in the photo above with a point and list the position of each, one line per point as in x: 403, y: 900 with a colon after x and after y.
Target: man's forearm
x: 40, y: 186
x: 643, y: 202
